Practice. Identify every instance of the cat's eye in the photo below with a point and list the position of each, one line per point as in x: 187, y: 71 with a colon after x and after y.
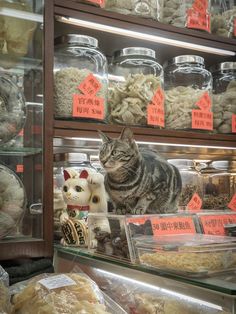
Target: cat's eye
x: 65, y: 188
x: 78, y: 188
x: 114, y: 152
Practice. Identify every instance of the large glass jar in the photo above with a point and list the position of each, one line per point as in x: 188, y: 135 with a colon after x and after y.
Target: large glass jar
x: 136, y: 88
x: 187, y: 13
x: 191, y: 181
x: 218, y: 185
x: 188, y: 87
x: 224, y: 97
x: 223, y: 18
x: 80, y: 78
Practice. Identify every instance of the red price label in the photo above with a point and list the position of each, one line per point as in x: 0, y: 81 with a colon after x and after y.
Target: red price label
x: 214, y: 224
x: 200, y: 5
x: 90, y: 85
x: 234, y: 123
x: 101, y: 3
x: 202, y: 120
x: 21, y: 133
x: 172, y: 225
x: 232, y: 203
x: 88, y: 107
x: 204, y: 102
x: 195, y: 203
x: 19, y: 168
x: 198, y: 20
x: 155, y: 110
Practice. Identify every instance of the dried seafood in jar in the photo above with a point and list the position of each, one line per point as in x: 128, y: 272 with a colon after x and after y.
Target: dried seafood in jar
x: 223, y: 24
x: 128, y: 100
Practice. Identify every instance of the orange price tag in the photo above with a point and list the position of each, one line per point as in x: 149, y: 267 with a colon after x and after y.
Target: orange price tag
x: 198, y: 20
x: 173, y: 225
x: 19, y: 168
x: 101, y: 3
x: 204, y: 102
x: 90, y: 85
x: 232, y: 203
x: 200, y: 5
x: 202, y: 120
x: 88, y: 107
x: 195, y: 203
x: 21, y: 133
x: 155, y: 110
x: 214, y: 224
x: 234, y: 123
x: 137, y: 220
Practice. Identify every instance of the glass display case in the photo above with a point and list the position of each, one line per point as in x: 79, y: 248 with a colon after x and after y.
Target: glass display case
x: 22, y: 130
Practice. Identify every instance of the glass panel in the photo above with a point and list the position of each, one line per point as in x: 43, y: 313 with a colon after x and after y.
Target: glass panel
x: 21, y: 120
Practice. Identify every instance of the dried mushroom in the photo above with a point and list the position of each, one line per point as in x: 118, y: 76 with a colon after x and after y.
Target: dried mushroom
x: 224, y: 106
x: 179, y: 103
x: 128, y: 100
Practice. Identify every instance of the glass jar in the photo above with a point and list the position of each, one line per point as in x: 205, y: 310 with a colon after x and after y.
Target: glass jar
x: 80, y: 79
x: 135, y: 77
x: 191, y: 180
x: 223, y: 18
x: 79, y: 162
x: 224, y: 97
x: 187, y: 13
x: 188, y: 87
x: 219, y: 185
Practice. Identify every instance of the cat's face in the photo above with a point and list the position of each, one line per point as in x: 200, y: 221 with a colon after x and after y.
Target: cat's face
x: 76, y: 192
x: 117, y: 153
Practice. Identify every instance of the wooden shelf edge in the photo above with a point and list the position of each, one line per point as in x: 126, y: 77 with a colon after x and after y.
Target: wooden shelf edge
x: 86, y: 130
x: 78, y: 10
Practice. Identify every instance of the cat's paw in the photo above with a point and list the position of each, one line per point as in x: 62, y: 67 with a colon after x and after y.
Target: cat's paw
x: 95, y: 179
x: 138, y: 211
x: 63, y: 218
x: 121, y: 211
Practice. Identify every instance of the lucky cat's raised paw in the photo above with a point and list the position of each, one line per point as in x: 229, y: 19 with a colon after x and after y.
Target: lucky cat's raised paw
x: 95, y: 179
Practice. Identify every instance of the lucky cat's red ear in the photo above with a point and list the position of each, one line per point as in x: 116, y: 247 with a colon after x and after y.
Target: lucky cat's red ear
x: 83, y: 174
x: 66, y: 175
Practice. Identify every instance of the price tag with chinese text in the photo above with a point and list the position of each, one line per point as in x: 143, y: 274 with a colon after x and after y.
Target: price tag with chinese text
x: 202, y: 120
x: 204, y: 102
x: 88, y: 107
x: 155, y: 110
x: 195, y: 203
x: 214, y: 224
x: 173, y: 225
x: 232, y: 203
x: 90, y: 85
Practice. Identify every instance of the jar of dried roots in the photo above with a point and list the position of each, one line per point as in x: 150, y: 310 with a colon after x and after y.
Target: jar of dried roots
x: 224, y: 97
x: 80, y: 79
x: 188, y: 89
x: 136, y: 94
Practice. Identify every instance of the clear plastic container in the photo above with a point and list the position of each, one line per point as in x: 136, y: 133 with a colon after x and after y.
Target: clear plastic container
x: 12, y: 201
x: 218, y: 185
x: 188, y: 88
x: 80, y: 79
x: 192, y: 181
x: 224, y: 97
x: 12, y: 109
x: 187, y: 13
x: 135, y: 77
x: 196, y: 255
x: 223, y: 17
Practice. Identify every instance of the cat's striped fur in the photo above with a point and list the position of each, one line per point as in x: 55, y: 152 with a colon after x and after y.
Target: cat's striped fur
x: 138, y: 181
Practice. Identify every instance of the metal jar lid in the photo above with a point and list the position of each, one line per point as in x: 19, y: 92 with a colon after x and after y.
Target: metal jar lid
x: 186, y: 59
x: 71, y: 39
x: 135, y: 51
x: 224, y: 66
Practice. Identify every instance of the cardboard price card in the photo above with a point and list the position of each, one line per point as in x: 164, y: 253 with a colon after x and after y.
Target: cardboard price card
x: 195, y: 203
x: 234, y: 123
x: 88, y: 107
x: 19, y: 168
x: 155, y: 110
x: 90, y: 85
x: 198, y: 20
x: 173, y: 225
x: 159, y: 97
x: 202, y: 120
x: 205, y: 102
x: 214, y: 224
x: 200, y: 5
x: 232, y: 203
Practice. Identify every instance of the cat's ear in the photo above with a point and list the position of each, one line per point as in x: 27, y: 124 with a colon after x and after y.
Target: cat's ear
x: 83, y: 174
x: 127, y: 135
x: 103, y: 136
x: 66, y: 175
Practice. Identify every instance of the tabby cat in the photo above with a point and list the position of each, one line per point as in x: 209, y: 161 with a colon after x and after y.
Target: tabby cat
x: 138, y: 181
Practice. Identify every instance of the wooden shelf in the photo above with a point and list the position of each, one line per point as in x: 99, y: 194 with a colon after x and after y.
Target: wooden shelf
x: 89, y: 130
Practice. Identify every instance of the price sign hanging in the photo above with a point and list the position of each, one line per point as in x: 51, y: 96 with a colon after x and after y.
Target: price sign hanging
x: 195, y: 203
x: 155, y: 110
x: 202, y: 120
x: 214, y: 224
x: 232, y: 203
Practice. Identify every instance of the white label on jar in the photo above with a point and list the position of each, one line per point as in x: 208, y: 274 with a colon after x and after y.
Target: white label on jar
x: 57, y: 282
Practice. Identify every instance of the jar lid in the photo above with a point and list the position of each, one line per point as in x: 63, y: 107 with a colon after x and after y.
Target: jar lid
x: 224, y: 66
x: 71, y: 39
x: 135, y: 51
x: 77, y: 157
x: 186, y: 59
x: 220, y: 164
